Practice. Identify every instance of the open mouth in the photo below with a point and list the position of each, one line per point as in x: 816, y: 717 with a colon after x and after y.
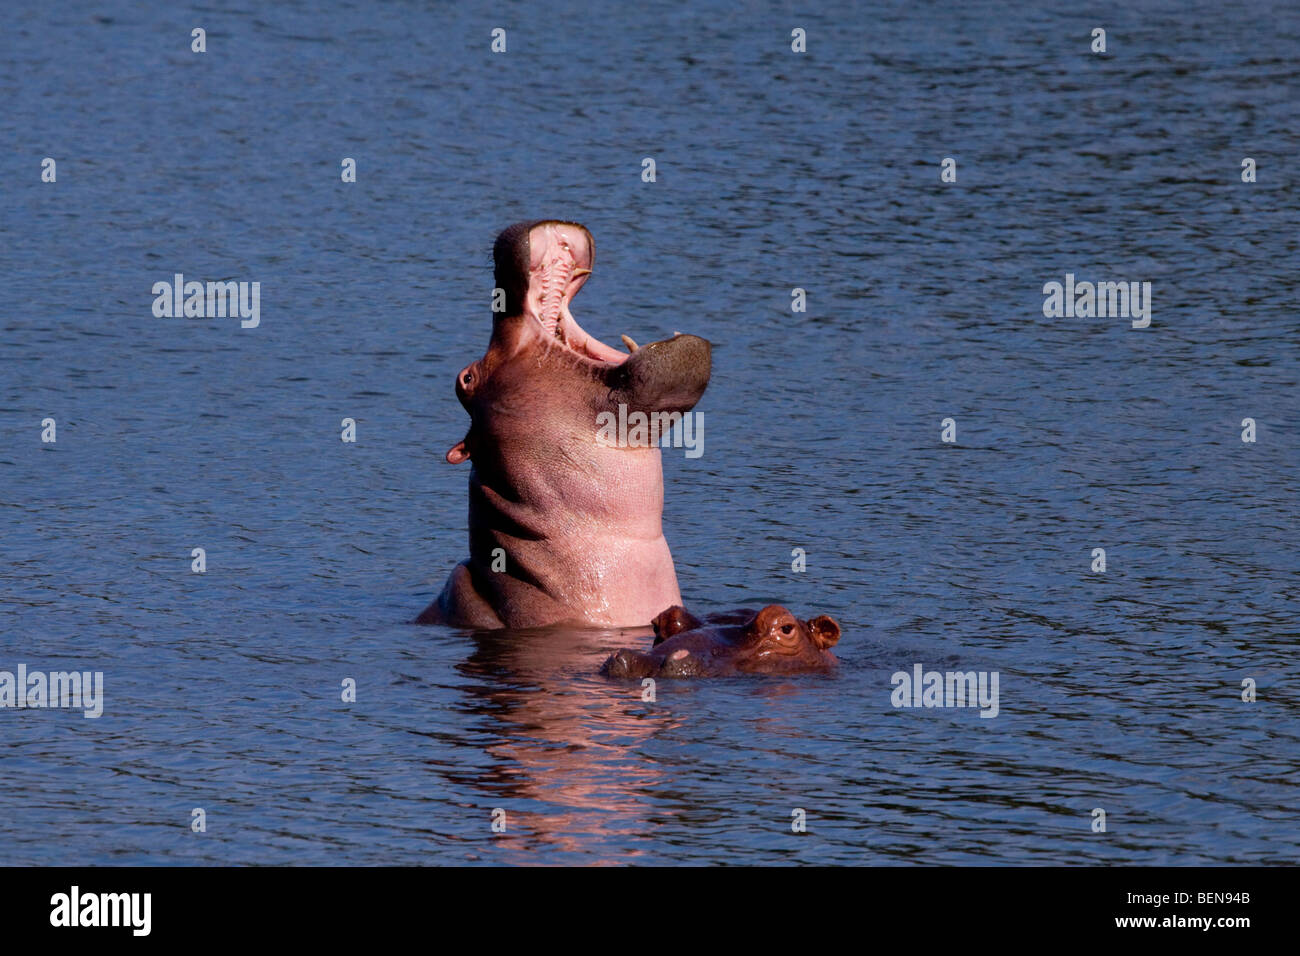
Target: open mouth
x: 561, y: 256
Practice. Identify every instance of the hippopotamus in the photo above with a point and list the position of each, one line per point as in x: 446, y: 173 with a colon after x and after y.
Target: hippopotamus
x: 565, y: 526
x: 770, y: 641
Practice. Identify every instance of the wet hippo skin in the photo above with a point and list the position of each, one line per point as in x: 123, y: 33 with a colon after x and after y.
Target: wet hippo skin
x: 770, y: 641
x: 579, y: 520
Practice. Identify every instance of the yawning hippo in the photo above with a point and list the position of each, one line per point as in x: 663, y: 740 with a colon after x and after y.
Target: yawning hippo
x: 771, y: 641
x: 564, y: 525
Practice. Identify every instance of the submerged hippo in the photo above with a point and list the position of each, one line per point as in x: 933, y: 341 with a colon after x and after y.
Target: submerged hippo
x: 770, y: 641
x: 577, y: 519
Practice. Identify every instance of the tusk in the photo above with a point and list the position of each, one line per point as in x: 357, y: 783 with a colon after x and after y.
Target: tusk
x: 580, y: 272
x: 627, y: 340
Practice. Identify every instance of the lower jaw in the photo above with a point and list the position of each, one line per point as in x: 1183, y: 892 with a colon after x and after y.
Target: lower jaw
x: 566, y: 331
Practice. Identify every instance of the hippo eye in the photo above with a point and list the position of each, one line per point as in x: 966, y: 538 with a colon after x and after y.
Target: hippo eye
x: 787, y: 629
x: 467, y: 378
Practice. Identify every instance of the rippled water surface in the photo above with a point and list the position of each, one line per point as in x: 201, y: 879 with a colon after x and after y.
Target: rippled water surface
x: 1119, y: 691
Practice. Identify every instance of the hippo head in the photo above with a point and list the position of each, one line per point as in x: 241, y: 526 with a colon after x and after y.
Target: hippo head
x: 544, y: 381
x: 770, y: 641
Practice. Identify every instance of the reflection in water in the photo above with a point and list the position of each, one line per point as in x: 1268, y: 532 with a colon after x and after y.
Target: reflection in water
x: 558, y: 740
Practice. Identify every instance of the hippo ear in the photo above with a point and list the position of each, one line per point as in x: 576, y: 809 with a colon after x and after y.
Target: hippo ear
x: 672, y: 622
x: 457, y: 454
x: 825, y: 632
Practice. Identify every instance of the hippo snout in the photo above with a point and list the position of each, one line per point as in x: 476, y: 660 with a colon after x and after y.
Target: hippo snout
x: 682, y: 663
x: 629, y: 665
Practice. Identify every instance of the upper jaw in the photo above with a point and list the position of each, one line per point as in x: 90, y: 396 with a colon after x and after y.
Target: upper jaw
x: 561, y: 256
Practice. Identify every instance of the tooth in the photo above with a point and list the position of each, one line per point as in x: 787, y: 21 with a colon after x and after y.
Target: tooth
x: 627, y: 341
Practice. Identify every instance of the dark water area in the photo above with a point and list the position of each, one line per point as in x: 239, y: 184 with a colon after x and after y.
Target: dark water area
x: 1119, y: 690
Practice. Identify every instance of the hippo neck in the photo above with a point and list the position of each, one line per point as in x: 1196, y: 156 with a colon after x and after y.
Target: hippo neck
x: 579, y: 490
x: 575, y: 536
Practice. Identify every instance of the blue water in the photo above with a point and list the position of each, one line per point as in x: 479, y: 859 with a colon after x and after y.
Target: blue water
x: 1118, y: 690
